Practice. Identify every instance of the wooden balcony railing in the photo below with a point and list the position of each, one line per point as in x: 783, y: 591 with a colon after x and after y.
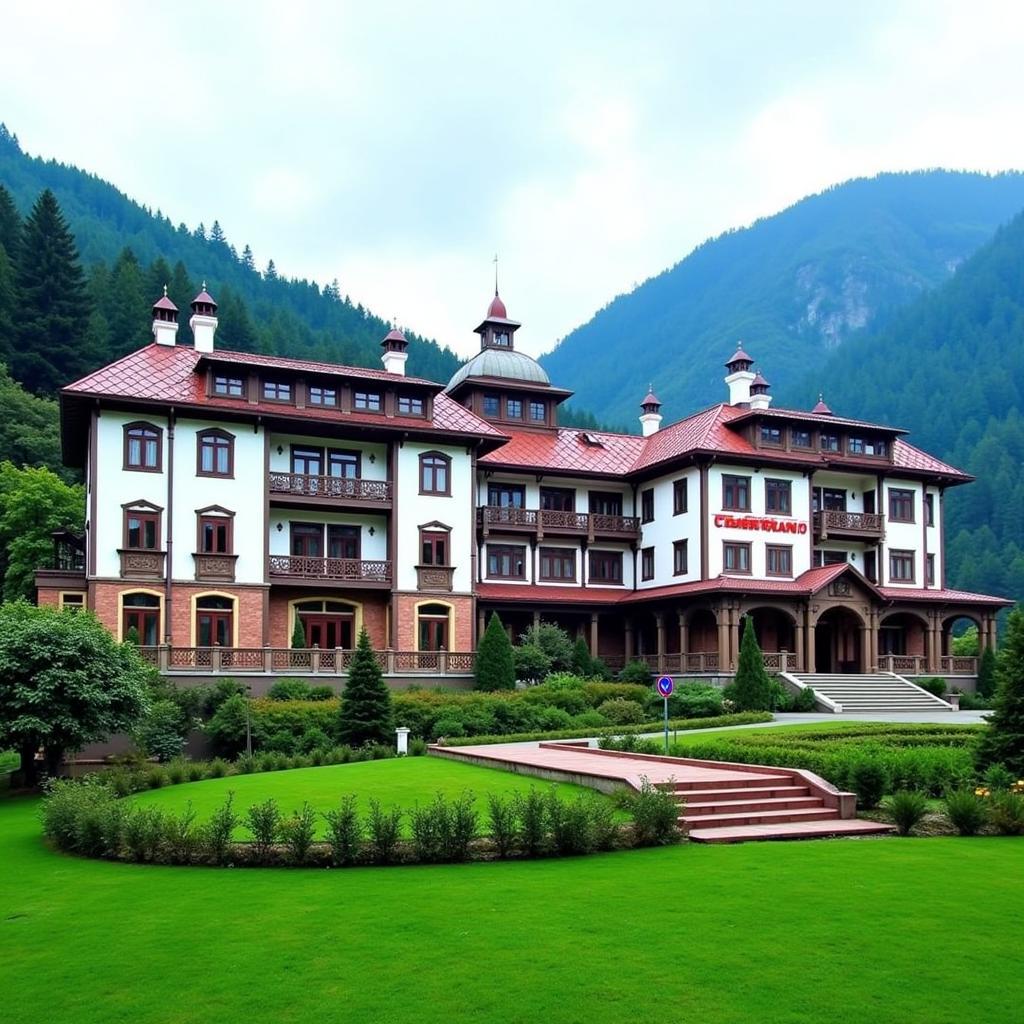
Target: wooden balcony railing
x: 958, y: 665
x: 555, y: 521
x: 831, y: 522
x: 332, y: 488
x: 347, y: 570
x: 312, y: 661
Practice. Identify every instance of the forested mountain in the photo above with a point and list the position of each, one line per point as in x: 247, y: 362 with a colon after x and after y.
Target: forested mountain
x: 793, y: 286
x: 950, y: 367
x: 128, y: 252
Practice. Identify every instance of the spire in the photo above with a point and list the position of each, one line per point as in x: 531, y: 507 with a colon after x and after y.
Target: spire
x: 650, y: 413
x: 165, y: 320
x: 740, y: 377
x: 395, y: 355
x: 203, y: 320
x: 821, y: 409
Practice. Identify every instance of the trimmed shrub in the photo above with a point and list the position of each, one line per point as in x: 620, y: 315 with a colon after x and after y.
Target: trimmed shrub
x: 636, y: 672
x: 531, y: 819
x: 365, y: 714
x: 1006, y: 812
x: 751, y: 690
x: 417, y: 747
x: 289, y: 689
x: 494, y: 668
x: 264, y: 822
x: 966, y: 811
x: 622, y: 712
x: 384, y: 828
x: 690, y: 700
x: 869, y: 781
x: 803, y: 701
x: 998, y: 777
x: 655, y: 814
x: 582, y: 663
x: 322, y: 693
x: 297, y: 833
x: 220, y: 829
x: 935, y: 685
x: 531, y: 663
x: 553, y: 641
x: 502, y: 823
x: 907, y: 808
x: 344, y: 832
x: 298, y: 635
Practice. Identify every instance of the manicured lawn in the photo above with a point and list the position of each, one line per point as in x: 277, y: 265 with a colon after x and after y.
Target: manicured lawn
x: 400, y: 782
x: 690, y: 738
x: 863, y: 931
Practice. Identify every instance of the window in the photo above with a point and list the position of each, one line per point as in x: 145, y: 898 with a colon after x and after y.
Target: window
x: 778, y: 496
x: 307, y: 461
x: 881, y: 449
x: 736, y: 557
x: 216, y: 453
x: 435, y: 473
x: 829, y: 442
x: 506, y: 495
x: 343, y: 464
x: 433, y: 626
x: 901, y: 505
x: 771, y: 435
x: 433, y: 547
x: 605, y: 566
x: 366, y: 401
x: 778, y: 560
x: 647, y: 563
x: 514, y: 408
x: 492, y: 406
x: 855, y: 446
x: 559, y: 499
x: 215, y: 619
x: 72, y: 602
x: 343, y: 541
x: 141, y: 616
x: 142, y: 529
x: 276, y: 391
x: 829, y: 499
x: 410, y: 405
x: 229, y: 387
x: 736, y: 493
x: 680, y: 496
x: 320, y: 395
x: 538, y: 412
x: 830, y: 558
x: 871, y: 566
x: 901, y: 566
x: 605, y: 503
x: 558, y: 565
x: 929, y: 510
x: 800, y: 438
x: 647, y: 505
x: 307, y: 540
x: 215, y: 534
x: 506, y: 561
x: 142, y: 447
x: 929, y: 570
x: 502, y: 339
x: 680, y: 558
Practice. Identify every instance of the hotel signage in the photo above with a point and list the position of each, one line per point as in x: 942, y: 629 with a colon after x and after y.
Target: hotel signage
x: 766, y: 524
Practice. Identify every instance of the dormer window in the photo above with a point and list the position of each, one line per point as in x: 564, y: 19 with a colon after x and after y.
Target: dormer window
x: 229, y: 387
x: 277, y: 391
x: 514, y: 408
x: 538, y: 412
x: 830, y: 442
x: 492, y: 406
x: 502, y: 339
x: 800, y: 438
x: 409, y: 405
x: 326, y: 397
x: 855, y: 446
x: 771, y: 435
x: 367, y: 401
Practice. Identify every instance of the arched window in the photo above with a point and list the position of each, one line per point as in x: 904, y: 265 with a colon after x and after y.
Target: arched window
x: 327, y: 624
x: 143, y: 448
x: 215, y: 621
x: 141, y: 619
x: 435, y: 473
x: 433, y: 623
x: 215, y: 453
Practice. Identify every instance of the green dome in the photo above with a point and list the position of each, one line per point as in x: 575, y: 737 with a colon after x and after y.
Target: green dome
x: 500, y: 362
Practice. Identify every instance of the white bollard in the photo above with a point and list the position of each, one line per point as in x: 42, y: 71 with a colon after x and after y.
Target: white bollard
x: 402, y: 737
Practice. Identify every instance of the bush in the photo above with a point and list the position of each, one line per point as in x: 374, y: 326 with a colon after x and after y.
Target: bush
x: 935, y: 685
x: 182, y: 840
x: 417, y: 747
x: 155, y: 778
x: 530, y: 817
x: 322, y: 693
x: 582, y: 664
x: 636, y: 672
x: 227, y: 727
x: 599, y: 669
x: 998, y: 777
x: 177, y: 771
x: 264, y: 822
x: 531, y: 663
x: 220, y: 829
x: 907, y: 807
x: 385, y: 828
x: 289, y: 689
x: 966, y: 811
x: 570, y: 825
x: 494, y: 668
x: 1003, y: 741
x: 751, y: 690
x: 622, y: 712
x: 655, y: 814
x: 803, y: 701
x: 503, y: 823
x: 1006, y: 812
x: 344, y: 832
x: 196, y: 771
x: 869, y: 781
x: 218, y: 768
x: 144, y: 834
x: 297, y: 833
x: 161, y: 732
x: 986, y: 684
x: 553, y: 641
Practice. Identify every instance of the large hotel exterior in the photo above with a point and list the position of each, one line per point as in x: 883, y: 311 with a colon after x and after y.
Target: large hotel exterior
x: 235, y: 498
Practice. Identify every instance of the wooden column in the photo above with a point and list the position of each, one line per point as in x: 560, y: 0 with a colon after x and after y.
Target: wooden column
x: 799, y: 651
x: 628, y: 626
x: 594, y: 617
x: 722, y: 618
x: 684, y: 640
x: 659, y: 623
x: 809, y: 661
x: 536, y: 618
x: 734, y: 637
x: 865, y: 646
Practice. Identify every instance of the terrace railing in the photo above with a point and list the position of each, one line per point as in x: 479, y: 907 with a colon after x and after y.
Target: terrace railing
x: 832, y: 522
x: 556, y: 521
x: 348, y: 570
x: 333, y: 488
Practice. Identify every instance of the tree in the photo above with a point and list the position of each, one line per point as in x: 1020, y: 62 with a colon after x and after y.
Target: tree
x: 987, y: 673
x: 582, y: 662
x: 298, y: 635
x: 33, y: 503
x: 161, y: 731
x: 553, y: 641
x: 248, y: 260
x: 965, y: 645
x: 365, y: 712
x: 495, y: 667
x: 751, y: 690
x: 29, y: 427
x: 10, y: 225
x: 64, y: 682
x: 1003, y: 741
x: 54, y: 307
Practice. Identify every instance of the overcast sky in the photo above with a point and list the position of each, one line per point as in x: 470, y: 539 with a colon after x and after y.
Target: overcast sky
x: 398, y: 147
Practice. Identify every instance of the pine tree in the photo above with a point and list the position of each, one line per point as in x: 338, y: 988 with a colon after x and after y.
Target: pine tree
x: 271, y: 272
x: 10, y: 225
x: 248, y: 260
x: 495, y: 667
x: 987, y: 673
x: 365, y: 714
x: 128, y: 308
x: 298, y: 635
x: 54, y: 306
x: 751, y: 689
x: 582, y: 662
x: 1003, y: 741
x: 8, y: 306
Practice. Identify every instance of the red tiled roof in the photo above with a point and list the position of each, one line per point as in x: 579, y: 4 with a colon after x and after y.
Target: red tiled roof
x: 568, y: 450
x: 945, y: 596
x: 535, y: 594
x: 739, y: 355
x: 906, y: 456
x: 814, y: 416
x: 310, y: 366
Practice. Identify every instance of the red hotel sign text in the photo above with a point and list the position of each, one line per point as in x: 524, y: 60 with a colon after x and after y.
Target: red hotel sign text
x: 767, y: 524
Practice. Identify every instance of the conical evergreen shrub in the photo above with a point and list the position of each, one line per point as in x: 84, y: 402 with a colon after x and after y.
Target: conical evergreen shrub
x: 495, y: 667
x: 752, y: 688
x: 1003, y: 742
x: 365, y: 713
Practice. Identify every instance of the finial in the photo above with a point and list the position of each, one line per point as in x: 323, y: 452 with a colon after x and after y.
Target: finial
x: 495, y: 273
x: 204, y: 284
x: 165, y: 291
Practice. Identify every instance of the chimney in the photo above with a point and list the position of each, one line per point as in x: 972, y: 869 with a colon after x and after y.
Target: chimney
x: 740, y: 377
x: 759, y: 397
x: 203, y: 320
x: 165, y: 320
x: 395, y: 354
x: 650, y: 413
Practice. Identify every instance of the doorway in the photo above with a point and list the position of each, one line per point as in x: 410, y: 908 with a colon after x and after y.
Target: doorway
x: 327, y: 624
x: 837, y: 642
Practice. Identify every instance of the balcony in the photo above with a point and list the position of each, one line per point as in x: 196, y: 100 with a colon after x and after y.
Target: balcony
x: 297, y: 489
x: 548, y: 522
x: 139, y: 564
x: 832, y: 524
x: 310, y: 569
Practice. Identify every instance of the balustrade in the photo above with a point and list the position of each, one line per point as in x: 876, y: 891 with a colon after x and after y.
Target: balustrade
x: 335, y: 488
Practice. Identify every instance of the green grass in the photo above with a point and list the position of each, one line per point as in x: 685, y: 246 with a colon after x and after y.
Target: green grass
x: 399, y: 782
x: 913, y: 930
x: 693, y: 738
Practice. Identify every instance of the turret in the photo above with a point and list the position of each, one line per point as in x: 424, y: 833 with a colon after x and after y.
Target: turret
x: 740, y: 377
x: 203, y: 320
x: 650, y: 413
x: 165, y: 320
x: 821, y: 409
x: 759, y: 397
x: 395, y: 351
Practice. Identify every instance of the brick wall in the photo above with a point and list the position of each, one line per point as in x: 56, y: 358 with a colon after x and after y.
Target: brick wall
x: 46, y: 597
x: 374, y: 605
x: 461, y: 638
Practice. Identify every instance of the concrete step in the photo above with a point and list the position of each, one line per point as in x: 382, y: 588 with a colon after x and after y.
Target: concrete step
x: 755, y: 780
x: 733, y: 807
x: 747, y: 793
x: 759, y: 817
x: 789, y: 830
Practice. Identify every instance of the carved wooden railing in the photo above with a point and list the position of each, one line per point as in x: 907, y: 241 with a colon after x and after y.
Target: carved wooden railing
x: 354, y: 570
x: 141, y: 565
x: 910, y: 664
x: 549, y: 520
x: 333, y: 487
x: 434, y: 577
x: 306, y: 661
x: 706, y: 661
x: 863, y: 524
x: 215, y: 567
x: 958, y: 665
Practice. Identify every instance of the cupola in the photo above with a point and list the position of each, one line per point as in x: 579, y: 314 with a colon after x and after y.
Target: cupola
x: 165, y: 320
x: 203, y: 320
x: 740, y: 377
x: 650, y: 413
x: 759, y: 397
x: 496, y: 329
x: 821, y: 409
x: 395, y: 352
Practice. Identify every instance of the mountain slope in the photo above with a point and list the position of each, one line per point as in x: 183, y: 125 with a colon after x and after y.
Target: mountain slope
x: 792, y: 286
x: 950, y: 367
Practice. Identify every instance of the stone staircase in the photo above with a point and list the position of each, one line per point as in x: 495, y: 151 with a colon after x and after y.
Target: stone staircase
x: 870, y: 693
x: 741, y: 810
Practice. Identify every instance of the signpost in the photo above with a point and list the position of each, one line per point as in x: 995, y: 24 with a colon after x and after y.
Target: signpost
x: 665, y: 688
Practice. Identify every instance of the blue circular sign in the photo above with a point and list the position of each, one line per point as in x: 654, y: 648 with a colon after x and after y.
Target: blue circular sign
x: 666, y: 686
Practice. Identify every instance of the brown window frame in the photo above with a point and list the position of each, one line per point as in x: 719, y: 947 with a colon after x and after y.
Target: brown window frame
x: 772, y: 441
x: 414, y: 405
x: 647, y: 505
x: 680, y: 496
x: 347, y: 531
x: 433, y: 537
x: 343, y: 457
x: 516, y: 553
x: 566, y: 556
x: 433, y: 628
x: 216, y: 519
x: 775, y: 485
x: 608, y: 558
x: 929, y: 569
x: 316, y: 394
x: 135, y: 615
x: 795, y: 432
x: 509, y: 414
x: 901, y: 495
x: 565, y: 495
x: 220, y: 435
x: 647, y: 563
x: 301, y: 529
x: 144, y: 512
x: 499, y: 488
x: 372, y: 402
x: 276, y: 387
x: 210, y: 606
x: 904, y: 556
x: 680, y: 565
x: 739, y: 545
x: 929, y: 509
x: 825, y: 443
x: 423, y: 466
x: 304, y: 452
x: 491, y: 414
x: 781, y: 550
x: 534, y: 407
x: 731, y: 480
x: 601, y: 498
x: 229, y: 382
x: 158, y: 439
